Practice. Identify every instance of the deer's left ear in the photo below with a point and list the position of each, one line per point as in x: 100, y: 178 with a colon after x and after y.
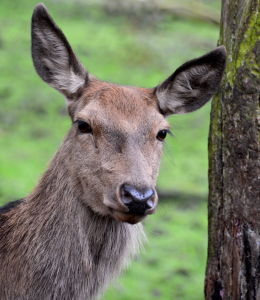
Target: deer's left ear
x: 192, y: 84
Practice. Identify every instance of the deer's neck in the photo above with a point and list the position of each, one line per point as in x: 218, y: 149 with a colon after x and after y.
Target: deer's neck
x: 72, y: 249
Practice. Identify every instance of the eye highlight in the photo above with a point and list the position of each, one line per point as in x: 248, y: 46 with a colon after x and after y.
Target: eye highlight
x: 83, y: 127
x: 161, y: 135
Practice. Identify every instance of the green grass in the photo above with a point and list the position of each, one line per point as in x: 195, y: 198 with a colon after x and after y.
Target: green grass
x: 125, y: 50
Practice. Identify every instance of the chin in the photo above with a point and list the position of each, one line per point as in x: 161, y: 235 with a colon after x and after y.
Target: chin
x: 130, y: 218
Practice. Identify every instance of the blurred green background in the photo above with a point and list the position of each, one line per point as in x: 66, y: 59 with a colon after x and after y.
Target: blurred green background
x: 136, y: 42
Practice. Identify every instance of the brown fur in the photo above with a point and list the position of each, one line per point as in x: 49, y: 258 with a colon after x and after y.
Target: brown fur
x: 75, y: 232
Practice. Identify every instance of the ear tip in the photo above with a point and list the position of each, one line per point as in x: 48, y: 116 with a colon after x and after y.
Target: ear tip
x: 222, y: 49
x: 40, y: 10
x: 40, y: 6
x: 221, y: 52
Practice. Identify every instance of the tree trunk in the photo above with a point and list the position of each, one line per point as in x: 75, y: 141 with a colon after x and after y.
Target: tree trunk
x: 233, y: 266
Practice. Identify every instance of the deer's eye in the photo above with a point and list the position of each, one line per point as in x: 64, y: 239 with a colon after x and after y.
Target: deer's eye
x: 161, y: 135
x: 84, y: 127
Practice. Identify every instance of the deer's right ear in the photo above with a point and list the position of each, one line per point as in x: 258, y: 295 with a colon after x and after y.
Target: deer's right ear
x: 53, y: 57
x: 192, y: 84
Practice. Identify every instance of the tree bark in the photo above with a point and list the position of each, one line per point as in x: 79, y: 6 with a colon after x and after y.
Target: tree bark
x: 233, y: 266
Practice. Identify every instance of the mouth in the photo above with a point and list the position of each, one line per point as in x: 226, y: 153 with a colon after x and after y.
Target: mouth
x: 128, y: 217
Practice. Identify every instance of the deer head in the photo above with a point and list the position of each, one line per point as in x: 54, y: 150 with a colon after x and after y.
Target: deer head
x: 118, y: 131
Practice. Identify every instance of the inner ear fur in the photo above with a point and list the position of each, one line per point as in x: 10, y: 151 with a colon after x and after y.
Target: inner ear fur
x: 192, y: 84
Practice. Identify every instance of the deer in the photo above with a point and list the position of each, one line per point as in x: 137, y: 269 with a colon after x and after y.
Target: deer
x: 81, y: 225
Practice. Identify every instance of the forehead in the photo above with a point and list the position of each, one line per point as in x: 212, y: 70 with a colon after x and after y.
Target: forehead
x: 119, y: 104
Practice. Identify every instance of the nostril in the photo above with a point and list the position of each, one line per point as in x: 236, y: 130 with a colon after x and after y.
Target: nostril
x: 126, y: 197
x: 127, y: 194
x: 150, y: 203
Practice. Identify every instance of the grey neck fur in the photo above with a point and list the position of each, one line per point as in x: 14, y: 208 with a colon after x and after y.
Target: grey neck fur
x: 68, y: 252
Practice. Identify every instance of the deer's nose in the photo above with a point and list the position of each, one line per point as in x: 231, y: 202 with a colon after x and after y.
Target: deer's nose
x: 137, y: 200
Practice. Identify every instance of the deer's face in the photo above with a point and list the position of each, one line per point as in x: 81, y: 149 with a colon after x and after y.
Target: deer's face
x: 118, y: 131
x: 118, y: 134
